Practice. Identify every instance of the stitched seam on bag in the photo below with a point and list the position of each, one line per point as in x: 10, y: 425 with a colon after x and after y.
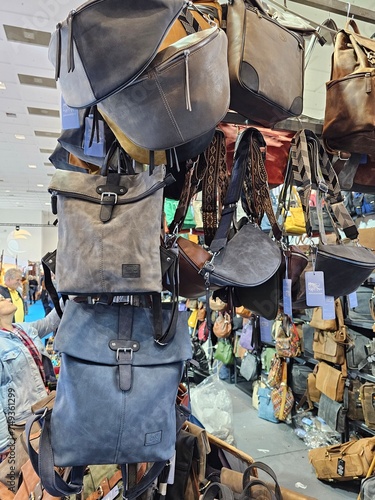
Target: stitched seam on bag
x: 167, y: 107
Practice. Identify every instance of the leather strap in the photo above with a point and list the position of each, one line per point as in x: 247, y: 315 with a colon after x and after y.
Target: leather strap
x: 264, y: 467
x: 218, y: 491
x: 105, y: 486
x: 124, y: 354
x: 311, y: 165
x: 43, y: 463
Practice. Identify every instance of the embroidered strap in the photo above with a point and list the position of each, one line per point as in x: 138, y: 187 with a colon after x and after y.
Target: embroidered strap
x: 215, y: 185
x: 256, y: 198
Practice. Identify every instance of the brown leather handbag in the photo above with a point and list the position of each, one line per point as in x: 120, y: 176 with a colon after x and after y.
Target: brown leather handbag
x: 329, y: 343
x: 258, y: 46
x: 350, y: 94
x: 331, y: 381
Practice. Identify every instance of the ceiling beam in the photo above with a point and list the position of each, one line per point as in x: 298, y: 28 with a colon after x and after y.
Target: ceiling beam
x: 339, y: 7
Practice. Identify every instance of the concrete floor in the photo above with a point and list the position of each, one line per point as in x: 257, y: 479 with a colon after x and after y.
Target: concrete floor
x: 278, y: 446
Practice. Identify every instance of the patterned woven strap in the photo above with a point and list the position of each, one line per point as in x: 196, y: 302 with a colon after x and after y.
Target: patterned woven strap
x: 329, y: 189
x: 195, y: 170
x: 256, y: 194
x: 214, y: 186
x: 301, y: 173
x: 189, y: 22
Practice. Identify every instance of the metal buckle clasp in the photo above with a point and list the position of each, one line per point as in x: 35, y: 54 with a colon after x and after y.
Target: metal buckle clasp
x: 124, y: 349
x: 108, y: 194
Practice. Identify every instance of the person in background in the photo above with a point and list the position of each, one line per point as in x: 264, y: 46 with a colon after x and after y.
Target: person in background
x: 33, y: 288
x: 12, y: 282
x: 25, y: 293
x: 22, y: 383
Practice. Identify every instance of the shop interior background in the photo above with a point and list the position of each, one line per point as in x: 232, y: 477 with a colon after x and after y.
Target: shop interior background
x: 30, y: 104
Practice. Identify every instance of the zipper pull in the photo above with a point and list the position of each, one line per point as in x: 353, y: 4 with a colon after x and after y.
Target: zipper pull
x: 70, y: 41
x: 58, y: 51
x: 187, y: 87
x: 368, y: 83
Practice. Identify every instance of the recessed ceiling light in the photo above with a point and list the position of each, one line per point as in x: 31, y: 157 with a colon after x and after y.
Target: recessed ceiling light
x: 40, y: 185
x: 2, y: 86
x: 20, y: 137
x: 48, y: 203
x: 23, y: 35
x: 39, y: 81
x: 42, y: 133
x: 32, y: 166
x: 7, y: 190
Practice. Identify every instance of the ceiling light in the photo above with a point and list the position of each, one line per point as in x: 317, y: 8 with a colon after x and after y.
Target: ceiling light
x: 44, y: 112
x: 20, y: 137
x: 23, y: 35
x: 39, y: 81
x: 2, y: 86
x: 48, y: 203
x: 42, y: 133
x: 40, y: 185
x: 46, y: 150
x: 7, y: 190
x: 32, y: 166
x: 11, y: 115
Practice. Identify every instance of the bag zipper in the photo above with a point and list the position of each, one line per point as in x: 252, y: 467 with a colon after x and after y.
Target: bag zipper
x: 365, y: 74
x: 268, y: 18
x: 350, y: 261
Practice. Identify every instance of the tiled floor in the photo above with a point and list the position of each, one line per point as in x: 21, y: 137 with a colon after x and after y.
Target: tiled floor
x: 278, y: 446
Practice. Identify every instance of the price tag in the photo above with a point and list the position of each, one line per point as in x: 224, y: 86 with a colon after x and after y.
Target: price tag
x: 353, y: 300
x: 69, y: 116
x: 328, y: 309
x: 172, y: 467
x: 265, y: 326
x: 112, y: 494
x: 96, y: 148
x: 287, y: 296
x: 315, y: 295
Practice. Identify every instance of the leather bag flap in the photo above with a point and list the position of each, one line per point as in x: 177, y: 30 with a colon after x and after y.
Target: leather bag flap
x: 86, y: 330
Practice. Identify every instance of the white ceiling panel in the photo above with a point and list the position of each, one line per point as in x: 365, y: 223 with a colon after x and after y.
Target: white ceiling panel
x: 21, y: 58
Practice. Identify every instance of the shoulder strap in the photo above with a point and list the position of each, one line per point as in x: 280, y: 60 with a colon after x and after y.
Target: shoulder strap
x: 43, y: 464
x: 248, y: 175
x: 215, y: 185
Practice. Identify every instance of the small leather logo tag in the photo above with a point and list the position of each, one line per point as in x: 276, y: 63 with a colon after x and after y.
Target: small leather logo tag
x: 340, y: 467
x: 131, y: 271
x: 153, y: 438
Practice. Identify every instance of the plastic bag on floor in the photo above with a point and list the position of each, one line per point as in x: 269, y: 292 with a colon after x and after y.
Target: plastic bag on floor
x: 211, y: 404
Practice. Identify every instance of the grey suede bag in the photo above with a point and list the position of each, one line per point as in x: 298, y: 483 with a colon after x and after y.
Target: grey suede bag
x: 182, y: 95
x: 108, y: 232
x: 102, y: 46
x: 116, y: 396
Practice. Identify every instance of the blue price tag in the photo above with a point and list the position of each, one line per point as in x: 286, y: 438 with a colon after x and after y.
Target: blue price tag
x: 353, y: 300
x: 287, y: 296
x: 69, y: 116
x: 328, y: 309
x: 315, y: 294
x: 265, y: 326
x: 96, y: 148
